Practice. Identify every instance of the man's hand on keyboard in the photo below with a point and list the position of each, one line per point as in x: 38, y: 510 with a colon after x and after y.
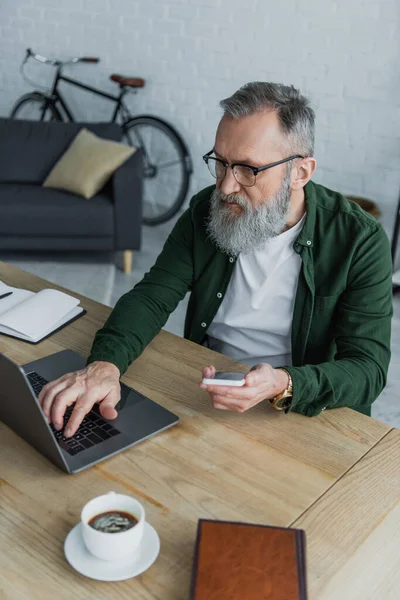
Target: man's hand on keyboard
x: 96, y: 383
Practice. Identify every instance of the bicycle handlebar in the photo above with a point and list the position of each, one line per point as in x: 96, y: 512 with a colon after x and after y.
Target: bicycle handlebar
x: 58, y: 63
x: 89, y: 59
x: 40, y: 58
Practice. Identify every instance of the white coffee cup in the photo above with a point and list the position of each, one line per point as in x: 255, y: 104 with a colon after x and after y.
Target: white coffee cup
x: 113, y: 546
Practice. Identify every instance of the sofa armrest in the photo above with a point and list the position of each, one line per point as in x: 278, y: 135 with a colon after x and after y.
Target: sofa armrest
x: 127, y: 198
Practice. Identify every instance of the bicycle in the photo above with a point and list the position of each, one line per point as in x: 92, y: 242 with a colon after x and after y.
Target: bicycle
x: 166, y: 159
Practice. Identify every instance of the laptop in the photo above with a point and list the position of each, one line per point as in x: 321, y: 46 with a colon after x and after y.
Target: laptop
x: 97, y: 438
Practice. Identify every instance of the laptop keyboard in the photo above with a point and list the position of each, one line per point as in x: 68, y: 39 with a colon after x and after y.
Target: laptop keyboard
x: 93, y: 429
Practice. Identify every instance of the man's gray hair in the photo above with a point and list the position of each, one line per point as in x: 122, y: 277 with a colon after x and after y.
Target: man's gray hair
x: 296, y: 116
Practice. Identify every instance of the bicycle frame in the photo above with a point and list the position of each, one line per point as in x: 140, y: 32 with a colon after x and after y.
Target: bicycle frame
x: 55, y: 97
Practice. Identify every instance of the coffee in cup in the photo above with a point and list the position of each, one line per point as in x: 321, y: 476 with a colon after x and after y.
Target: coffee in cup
x: 113, y: 521
x: 112, y: 526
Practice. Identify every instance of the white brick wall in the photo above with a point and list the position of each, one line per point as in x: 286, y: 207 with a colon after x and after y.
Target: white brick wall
x: 344, y: 55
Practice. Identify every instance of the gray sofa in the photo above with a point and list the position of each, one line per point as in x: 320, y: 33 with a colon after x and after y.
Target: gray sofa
x: 37, y: 218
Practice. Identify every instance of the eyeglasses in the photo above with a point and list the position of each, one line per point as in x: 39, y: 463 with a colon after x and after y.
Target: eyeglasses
x: 244, y: 174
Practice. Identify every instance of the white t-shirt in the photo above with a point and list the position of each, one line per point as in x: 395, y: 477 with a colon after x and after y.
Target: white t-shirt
x: 254, y: 321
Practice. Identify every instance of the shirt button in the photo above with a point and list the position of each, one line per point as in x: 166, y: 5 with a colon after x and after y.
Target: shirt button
x: 308, y: 243
x: 204, y: 324
x: 219, y: 295
x: 231, y: 260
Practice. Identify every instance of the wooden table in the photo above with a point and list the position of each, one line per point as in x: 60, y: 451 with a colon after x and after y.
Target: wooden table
x: 335, y: 475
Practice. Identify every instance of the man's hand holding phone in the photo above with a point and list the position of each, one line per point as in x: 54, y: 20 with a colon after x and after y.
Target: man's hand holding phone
x: 238, y: 392
x: 225, y: 378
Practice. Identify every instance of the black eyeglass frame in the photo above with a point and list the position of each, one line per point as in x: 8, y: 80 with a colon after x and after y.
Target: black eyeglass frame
x: 255, y: 170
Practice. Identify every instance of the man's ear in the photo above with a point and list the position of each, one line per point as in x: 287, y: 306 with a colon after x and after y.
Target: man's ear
x: 303, y: 172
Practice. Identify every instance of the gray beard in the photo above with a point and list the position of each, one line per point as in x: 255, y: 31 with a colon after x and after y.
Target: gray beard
x: 250, y: 230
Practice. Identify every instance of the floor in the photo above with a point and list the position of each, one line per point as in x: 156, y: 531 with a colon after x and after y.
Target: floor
x: 97, y: 282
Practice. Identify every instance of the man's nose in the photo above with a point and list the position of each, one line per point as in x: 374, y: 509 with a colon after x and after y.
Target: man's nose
x: 229, y: 185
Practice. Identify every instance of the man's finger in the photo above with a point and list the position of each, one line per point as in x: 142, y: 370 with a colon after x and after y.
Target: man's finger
x: 231, y: 403
x: 45, y: 390
x: 83, y: 405
x: 219, y: 406
x: 49, y: 394
x: 209, y: 372
x: 107, y: 406
x: 62, y: 400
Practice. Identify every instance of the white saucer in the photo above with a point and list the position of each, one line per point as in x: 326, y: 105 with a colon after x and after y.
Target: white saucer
x: 85, y: 563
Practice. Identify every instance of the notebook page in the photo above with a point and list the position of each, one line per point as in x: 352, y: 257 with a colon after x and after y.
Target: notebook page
x: 16, y: 297
x: 73, y: 313
x: 40, y: 314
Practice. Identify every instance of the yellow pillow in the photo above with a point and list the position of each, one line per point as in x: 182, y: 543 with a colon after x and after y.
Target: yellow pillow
x: 87, y: 165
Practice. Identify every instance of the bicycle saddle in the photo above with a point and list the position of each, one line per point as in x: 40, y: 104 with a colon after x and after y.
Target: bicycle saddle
x: 135, y: 82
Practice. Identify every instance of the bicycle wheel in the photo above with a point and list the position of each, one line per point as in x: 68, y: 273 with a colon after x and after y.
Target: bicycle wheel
x: 30, y: 107
x: 167, y: 167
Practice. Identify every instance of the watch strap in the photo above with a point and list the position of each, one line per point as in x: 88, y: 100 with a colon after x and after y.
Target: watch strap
x: 278, y: 401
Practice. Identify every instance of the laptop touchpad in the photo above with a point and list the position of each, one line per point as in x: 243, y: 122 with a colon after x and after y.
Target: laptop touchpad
x: 129, y: 398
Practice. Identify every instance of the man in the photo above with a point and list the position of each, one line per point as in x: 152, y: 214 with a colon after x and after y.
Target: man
x: 285, y: 275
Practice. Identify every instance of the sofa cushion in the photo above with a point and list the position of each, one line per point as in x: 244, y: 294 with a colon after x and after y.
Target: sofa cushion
x: 87, y: 165
x: 30, y: 149
x: 36, y: 211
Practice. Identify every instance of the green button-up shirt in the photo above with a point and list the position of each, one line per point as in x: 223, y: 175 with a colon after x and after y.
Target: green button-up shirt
x: 343, y: 306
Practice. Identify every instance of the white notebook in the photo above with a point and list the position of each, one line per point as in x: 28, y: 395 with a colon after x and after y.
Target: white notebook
x: 33, y: 316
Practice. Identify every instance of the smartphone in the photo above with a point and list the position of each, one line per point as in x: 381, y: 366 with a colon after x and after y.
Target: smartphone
x: 226, y: 378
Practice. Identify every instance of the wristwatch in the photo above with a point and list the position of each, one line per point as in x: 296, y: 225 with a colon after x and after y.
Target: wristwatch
x: 283, y: 400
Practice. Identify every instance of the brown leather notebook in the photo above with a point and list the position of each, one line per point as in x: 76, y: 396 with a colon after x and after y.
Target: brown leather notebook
x: 240, y: 561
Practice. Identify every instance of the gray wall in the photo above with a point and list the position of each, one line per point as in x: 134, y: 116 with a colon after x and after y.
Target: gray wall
x: 344, y: 54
